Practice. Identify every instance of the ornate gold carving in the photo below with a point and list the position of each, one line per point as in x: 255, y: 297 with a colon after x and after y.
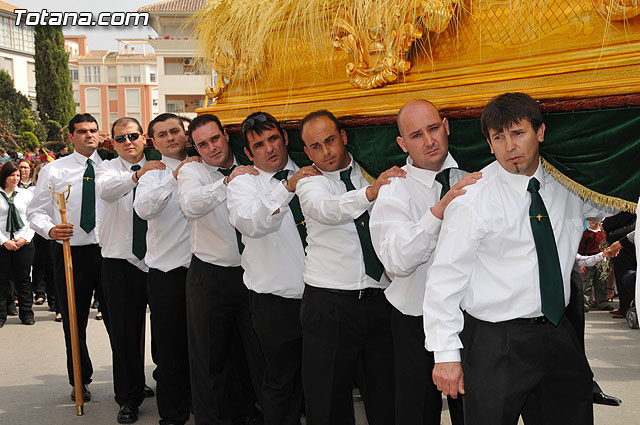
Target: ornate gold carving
x: 378, y: 50
x: 618, y: 10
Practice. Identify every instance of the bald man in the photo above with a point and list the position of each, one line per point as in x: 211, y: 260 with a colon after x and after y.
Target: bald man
x: 405, y: 223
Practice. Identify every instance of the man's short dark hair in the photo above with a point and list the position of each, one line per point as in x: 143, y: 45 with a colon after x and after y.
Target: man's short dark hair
x: 317, y: 114
x: 8, y: 168
x: 508, y: 109
x: 258, y: 122
x: 81, y: 118
x: 124, y: 121
x: 161, y: 118
x: 202, y: 120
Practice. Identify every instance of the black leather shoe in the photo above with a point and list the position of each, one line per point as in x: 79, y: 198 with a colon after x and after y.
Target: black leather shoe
x: 148, y: 392
x: 2, y: 323
x: 127, y: 414
x: 86, y: 394
x: 11, y: 309
x: 29, y: 321
x: 599, y: 397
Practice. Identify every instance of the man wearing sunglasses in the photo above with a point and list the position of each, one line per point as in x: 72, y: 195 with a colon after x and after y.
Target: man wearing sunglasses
x: 264, y: 208
x: 124, y: 272
x: 168, y: 258
x: 217, y: 299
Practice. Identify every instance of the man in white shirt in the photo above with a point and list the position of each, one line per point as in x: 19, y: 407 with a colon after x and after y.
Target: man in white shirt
x: 218, y: 317
x: 265, y: 209
x: 124, y: 272
x: 405, y: 223
x: 168, y: 258
x: 84, y: 209
x: 346, y: 320
x: 504, y: 257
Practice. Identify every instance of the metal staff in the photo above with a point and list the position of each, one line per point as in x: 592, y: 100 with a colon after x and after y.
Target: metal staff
x: 61, y: 200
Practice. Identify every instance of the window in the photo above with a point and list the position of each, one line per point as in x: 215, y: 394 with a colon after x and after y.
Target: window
x: 112, y: 76
x: 132, y: 97
x: 113, y: 94
x: 28, y: 39
x: 136, y: 74
x: 87, y: 74
x: 6, y: 64
x: 96, y: 74
x: 76, y: 97
x: 175, y: 106
x: 152, y: 75
x: 92, y: 98
x: 113, y: 116
x: 73, y: 73
x: 31, y: 78
x: 126, y: 73
x: 135, y: 115
x: 5, y: 32
x: 16, y: 38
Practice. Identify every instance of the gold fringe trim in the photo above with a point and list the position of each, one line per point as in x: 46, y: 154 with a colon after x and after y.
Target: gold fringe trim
x: 368, y: 177
x: 586, y: 193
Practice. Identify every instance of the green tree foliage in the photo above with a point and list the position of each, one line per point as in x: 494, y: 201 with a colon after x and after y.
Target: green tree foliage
x: 27, y: 126
x: 12, y: 103
x: 53, y: 84
x: 53, y: 130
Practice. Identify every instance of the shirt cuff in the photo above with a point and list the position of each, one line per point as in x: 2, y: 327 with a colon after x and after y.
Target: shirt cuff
x: 46, y: 230
x: 430, y: 223
x: 446, y: 356
x: 362, y: 197
x: 282, y: 196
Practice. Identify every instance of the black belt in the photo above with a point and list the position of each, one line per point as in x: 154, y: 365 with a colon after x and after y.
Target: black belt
x: 358, y: 293
x: 533, y: 320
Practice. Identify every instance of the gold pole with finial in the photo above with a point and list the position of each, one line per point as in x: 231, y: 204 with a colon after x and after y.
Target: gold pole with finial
x: 61, y: 201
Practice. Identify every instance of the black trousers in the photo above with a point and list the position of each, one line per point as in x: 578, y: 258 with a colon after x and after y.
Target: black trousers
x: 418, y: 401
x: 508, y: 365
x: 43, y: 280
x: 168, y: 305
x: 346, y: 339
x: 16, y: 266
x: 125, y: 295
x: 221, y: 336
x: 87, y: 265
x: 277, y: 323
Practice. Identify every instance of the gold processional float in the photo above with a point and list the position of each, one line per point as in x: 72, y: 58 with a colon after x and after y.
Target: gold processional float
x: 363, y: 59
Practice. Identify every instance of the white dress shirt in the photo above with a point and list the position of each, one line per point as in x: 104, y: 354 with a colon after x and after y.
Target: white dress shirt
x: 202, y: 196
x: 404, y: 232
x: 21, y: 201
x: 637, y: 243
x: 168, y: 229
x: 334, y: 255
x: 589, y: 260
x: 43, y: 212
x: 114, y: 185
x: 273, y: 257
x: 486, y: 262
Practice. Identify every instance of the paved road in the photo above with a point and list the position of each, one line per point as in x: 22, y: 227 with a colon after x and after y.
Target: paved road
x: 34, y: 388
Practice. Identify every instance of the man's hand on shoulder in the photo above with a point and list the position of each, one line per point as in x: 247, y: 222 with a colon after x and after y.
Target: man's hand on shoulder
x: 456, y: 190
x: 240, y: 170
x: 150, y: 165
x: 185, y: 161
x: 308, y: 171
x: 61, y: 232
x: 449, y: 379
x: 384, y: 178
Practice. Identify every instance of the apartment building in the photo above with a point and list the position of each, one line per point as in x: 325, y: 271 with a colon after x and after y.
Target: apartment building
x: 17, y: 50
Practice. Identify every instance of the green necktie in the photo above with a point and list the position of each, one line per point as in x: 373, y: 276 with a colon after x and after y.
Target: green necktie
x: 443, y: 178
x: 139, y: 245
x: 225, y: 172
x: 294, y: 205
x: 551, y: 285
x: 14, y: 222
x: 373, y: 266
x: 88, y: 208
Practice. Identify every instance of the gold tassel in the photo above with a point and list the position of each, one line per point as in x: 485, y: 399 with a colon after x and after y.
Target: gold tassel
x: 586, y: 193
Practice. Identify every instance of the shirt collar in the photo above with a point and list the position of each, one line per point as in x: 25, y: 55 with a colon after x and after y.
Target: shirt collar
x: 519, y: 182
x: 212, y: 168
x: 290, y: 166
x: 127, y: 165
x: 335, y: 175
x: 171, y: 163
x: 427, y: 177
x: 83, y: 159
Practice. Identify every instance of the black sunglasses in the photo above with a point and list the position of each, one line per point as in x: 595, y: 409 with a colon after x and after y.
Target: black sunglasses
x: 131, y: 137
x: 249, y: 122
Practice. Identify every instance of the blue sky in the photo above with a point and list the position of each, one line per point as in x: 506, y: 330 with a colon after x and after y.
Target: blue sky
x: 98, y: 38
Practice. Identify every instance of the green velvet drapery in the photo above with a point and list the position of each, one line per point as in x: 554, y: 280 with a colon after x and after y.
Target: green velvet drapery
x: 596, y: 150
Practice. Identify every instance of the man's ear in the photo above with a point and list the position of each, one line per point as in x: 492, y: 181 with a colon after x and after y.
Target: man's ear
x: 445, y: 121
x: 402, y: 144
x: 286, y: 137
x: 306, y: 150
x: 490, y: 145
x: 146, y: 136
x: 246, y: 152
x: 343, y: 136
x: 540, y: 133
